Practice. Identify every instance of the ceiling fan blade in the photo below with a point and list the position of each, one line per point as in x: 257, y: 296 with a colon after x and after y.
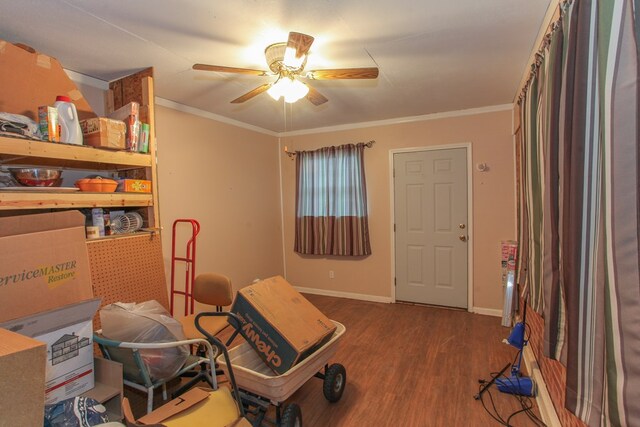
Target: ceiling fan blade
x: 343, y: 73
x: 257, y: 91
x: 315, y: 97
x: 220, y: 68
x: 300, y: 44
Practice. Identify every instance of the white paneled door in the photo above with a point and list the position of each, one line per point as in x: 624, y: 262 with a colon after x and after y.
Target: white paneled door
x: 431, y: 229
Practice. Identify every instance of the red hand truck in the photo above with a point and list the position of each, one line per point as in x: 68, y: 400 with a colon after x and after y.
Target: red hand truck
x: 190, y: 271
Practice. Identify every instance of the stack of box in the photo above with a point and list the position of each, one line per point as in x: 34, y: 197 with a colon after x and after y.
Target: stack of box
x: 137, y: 133
x: 46, y: 294
x: 130, y: 115
x: 102, y: 132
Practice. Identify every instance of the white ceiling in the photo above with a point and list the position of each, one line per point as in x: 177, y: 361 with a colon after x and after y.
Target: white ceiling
x: 433, y: 55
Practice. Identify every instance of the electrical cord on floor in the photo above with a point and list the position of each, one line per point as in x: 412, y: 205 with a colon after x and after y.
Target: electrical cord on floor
x: 525, y: 402
x: 495, y: 414
x: 527, y: 407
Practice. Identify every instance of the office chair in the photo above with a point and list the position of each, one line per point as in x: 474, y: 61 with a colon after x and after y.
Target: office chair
x: 214, y: 290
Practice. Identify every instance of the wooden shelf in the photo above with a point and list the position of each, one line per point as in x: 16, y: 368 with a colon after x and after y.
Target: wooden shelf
x: 15, y: 151
x: 41, y: 153
x: 142, y: 231
x: 34, y: 200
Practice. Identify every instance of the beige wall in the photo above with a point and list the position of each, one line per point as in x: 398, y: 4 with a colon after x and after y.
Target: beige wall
x: 493, y: 203
x: 226, y: 178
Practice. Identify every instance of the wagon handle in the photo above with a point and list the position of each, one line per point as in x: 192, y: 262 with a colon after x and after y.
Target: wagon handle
x: 215, y: 341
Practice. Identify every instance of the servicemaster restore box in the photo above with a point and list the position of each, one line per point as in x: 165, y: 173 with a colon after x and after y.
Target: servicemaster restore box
x: 44, y: 263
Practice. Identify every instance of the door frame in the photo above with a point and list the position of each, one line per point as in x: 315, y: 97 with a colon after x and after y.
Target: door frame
x: 468, y: 147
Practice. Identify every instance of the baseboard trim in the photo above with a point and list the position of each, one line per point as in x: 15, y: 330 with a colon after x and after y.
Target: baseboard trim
x: 339, y: 294
x: 387, y: 300
x: 543, y: 399
x: 487, y: 311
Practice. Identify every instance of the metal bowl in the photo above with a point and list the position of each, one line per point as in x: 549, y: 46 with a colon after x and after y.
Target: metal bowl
x: 37, y: 177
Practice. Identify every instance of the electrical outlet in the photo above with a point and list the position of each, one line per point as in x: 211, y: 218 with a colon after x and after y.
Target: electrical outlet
x: 331, y: 274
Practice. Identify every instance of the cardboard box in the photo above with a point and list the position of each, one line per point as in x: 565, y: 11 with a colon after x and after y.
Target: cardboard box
x: 143, y: 140
x: 68, y: 334
x: 22, y: 364
x: 280, y: 324
x: 123, y: 113
x: 29, y: 80
x: 134, y: 186
x: 48, y: 123
x: 44, y: 263
x: 133, y: 133
x: 107, y: 377
x: 102, y: 132
x: 130, y: 115
x: 197, y: 406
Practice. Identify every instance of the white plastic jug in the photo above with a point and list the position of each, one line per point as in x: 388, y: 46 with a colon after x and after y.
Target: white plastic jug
x: 70, y: 131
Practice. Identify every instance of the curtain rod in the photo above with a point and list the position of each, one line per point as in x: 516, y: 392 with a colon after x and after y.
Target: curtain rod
x: 291, y: 154
x: 554, y: 21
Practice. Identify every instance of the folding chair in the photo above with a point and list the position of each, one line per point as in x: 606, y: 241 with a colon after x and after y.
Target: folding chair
x: 223, y: 407
x: 136, y: 372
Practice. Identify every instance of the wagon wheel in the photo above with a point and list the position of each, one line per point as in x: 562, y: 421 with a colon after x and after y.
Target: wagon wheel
x: 292, y: 416
x: 335, y: 379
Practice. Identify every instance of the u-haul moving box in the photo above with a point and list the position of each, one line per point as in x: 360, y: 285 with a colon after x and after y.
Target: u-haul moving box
x: 280, y: 324
x: 46, y: 294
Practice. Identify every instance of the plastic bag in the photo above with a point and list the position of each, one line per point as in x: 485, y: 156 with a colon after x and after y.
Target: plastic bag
x: 147, y: 322
x: 75, y: 412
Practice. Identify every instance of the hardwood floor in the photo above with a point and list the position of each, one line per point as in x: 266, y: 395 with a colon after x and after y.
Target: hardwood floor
x: 410, y: 366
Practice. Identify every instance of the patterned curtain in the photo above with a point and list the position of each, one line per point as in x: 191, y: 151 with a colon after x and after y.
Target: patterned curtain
x: 331, y: 202
x: 580, y: 205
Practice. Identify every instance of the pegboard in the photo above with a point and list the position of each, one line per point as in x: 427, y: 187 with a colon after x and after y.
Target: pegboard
x: 128, y: 269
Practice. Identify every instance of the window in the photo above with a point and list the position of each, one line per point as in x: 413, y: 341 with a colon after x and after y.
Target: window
x: 331, y: 202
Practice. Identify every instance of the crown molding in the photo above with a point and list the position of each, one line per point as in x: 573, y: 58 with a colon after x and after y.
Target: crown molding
x: 207, y: 115
x: 400, y: 120
x: 104, y: 85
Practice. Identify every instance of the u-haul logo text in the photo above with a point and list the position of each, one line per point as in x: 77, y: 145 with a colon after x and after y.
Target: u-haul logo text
x: 261, y: 346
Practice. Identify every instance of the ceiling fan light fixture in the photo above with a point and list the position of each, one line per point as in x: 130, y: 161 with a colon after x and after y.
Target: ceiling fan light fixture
x: 291, y: 89
x: 290, y: 59
x: 275, y: 91
x: 287, y: 62
x: 274, y: 54
x: 296, y: 90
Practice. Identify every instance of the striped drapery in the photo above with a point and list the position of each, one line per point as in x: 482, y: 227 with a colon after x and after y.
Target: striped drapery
x: 580, y: 205
x: 331, y: 202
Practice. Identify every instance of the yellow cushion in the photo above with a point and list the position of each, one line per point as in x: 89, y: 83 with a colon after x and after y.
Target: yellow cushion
x: 218, y: 410
x: 211, y: 324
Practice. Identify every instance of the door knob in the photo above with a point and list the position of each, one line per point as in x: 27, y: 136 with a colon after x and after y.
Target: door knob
x: 463, y: 237
x: 461, y: 226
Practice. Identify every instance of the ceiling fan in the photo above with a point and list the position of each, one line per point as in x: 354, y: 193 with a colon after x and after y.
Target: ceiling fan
x: 287, y: 62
